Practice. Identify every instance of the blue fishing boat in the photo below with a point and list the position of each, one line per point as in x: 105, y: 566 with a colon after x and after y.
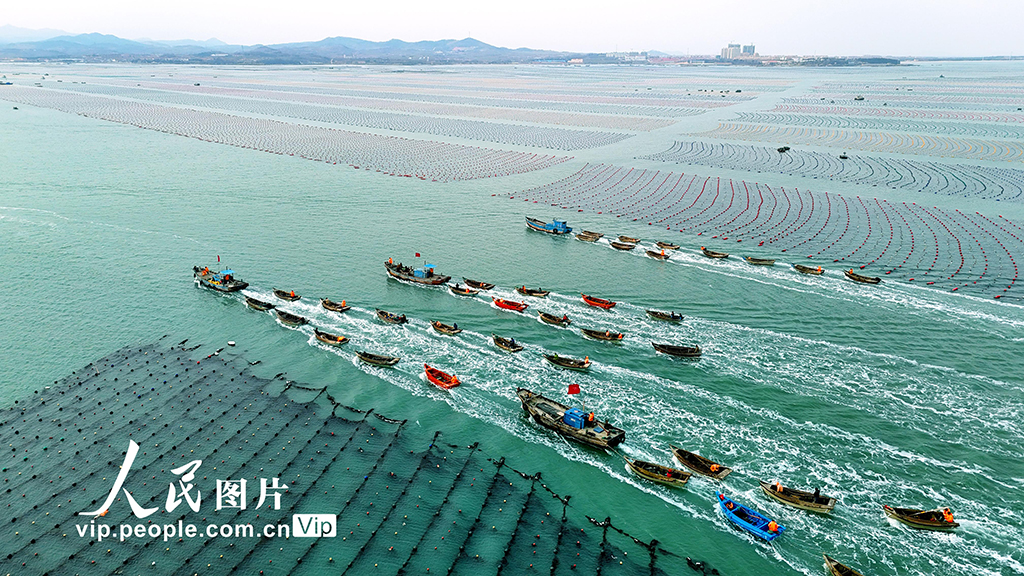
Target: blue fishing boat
x: 557, y: 227
x: 748, y: 520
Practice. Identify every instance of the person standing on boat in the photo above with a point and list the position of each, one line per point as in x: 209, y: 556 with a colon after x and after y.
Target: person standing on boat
x: 947, y: 515
x: 773, y: 526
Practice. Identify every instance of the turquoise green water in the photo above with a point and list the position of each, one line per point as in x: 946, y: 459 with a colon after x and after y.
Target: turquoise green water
x: 879, y: 395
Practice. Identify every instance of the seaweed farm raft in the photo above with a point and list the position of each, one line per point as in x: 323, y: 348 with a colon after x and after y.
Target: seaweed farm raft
x: 158, y: 459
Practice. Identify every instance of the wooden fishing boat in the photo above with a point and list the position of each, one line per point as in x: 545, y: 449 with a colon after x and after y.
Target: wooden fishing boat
x: 568, y: 363
x: 391, y: 318
x: 507, y: 344
x: 666, y: 316
x: 622, y: 246
x: 808, y: 269
x: 439, y: 378
x: 759, y: 261
x: 607, y: 335
x: 569, y: 422
x: 666, y: 245
x: 700, y: 464
x: 477, y: 285
x: 657, y: 255
x: 798, y: 498
x: 510, y: 304
x: 330, y: 339
x: 258, y: 304
x: 658, y: 473
x: 291, y: 319
x: 713, y: 254
x: 377, y: 359
x: 748, y: 520
x: 290, y: 296
x: 861, y: 278
x: 921, y: 519
x: 556, y: 227
x: 837, y: 569
x: 451, y: 330
x: 223, y: 281
x: 680, y: 351
x: 556, y: 320
x: 584, y: 237
x: 595, y: 234
x: 629, y: 240
x: 463, y: 291
x: 333, y: 306
x: 598, y: 302
x: 538, y: 293
x: 424, y: 275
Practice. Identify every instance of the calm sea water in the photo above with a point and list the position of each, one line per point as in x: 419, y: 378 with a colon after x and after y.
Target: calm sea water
x: 878, y: 395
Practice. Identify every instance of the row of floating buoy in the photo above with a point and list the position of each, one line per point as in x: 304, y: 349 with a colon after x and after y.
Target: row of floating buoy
x: 896, y: 248
x: 390, y: 155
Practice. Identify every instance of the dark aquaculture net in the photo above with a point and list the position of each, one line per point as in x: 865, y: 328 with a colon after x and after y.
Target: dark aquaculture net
x: 402, y: 506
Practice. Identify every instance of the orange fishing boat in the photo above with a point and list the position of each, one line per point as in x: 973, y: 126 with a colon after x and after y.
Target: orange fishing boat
x: 510, y: 304
x: 598, y: 302
x: 439, y: 378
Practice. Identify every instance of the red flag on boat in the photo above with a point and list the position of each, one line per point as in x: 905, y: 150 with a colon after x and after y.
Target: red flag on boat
x: 218, y: 258
x: 574, y: 388
x: 417, y: 254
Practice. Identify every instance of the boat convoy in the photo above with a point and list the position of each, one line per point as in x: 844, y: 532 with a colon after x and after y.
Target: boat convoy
x: 575, y: 423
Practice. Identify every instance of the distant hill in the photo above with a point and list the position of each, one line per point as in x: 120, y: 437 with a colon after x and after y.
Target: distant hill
x: 10, y: 34
x: 99, y: 47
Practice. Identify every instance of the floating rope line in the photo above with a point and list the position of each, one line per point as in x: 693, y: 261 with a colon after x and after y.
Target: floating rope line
x: 400, y: 508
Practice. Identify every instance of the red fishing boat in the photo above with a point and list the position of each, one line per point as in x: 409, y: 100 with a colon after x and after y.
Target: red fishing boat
x: 439, y: 378
x: 598, y: 302
x: 510, y: 304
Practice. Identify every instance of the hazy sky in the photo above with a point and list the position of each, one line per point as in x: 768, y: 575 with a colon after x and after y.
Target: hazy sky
x: 839, y: 27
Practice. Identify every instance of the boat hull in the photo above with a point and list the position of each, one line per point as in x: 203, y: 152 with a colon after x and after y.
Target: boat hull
x: 478, y: 285
x: 698, y: 464
x: 327, y: 339
x: 333, y: 306
x: 665, y: 316
x: 432, y: 281
x: 747, y: 519
x: 439, y: 378
x: 598, y: 302
x: 837, y: 569
x: 258, y: 304
x: 554, y: 320
x: 290, y: 319
x: 231, y: 287
x: 568, y: 363
x: 900, y: 515
x: 861, y: 278
x: 506, y: 344
x: 678, y: 351
x: 551, y: 418
x: 644, y: 470
x: 534, y: 224
x: 377, y: 359
x: 808, y: 270
x: 510, y: 305
x: 799, y: 499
